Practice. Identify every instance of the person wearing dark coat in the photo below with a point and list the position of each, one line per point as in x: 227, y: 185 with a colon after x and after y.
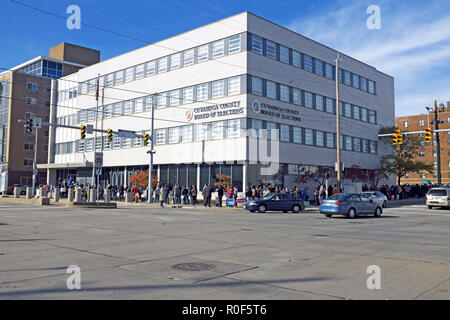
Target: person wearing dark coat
x: 220, y: 192
x: 207, y: 195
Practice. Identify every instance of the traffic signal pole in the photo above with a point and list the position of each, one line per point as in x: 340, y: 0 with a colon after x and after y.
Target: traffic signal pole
x: 33, y: 187
x: 438, y: 143
x: 150, y: 167
x: 338, y: 130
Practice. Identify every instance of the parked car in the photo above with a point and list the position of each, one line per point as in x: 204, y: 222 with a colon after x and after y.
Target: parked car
x: 378, y: 197
x: 10, y: 190
x: 275, y: 202
x: 350, y: 205
x: 438, y: 197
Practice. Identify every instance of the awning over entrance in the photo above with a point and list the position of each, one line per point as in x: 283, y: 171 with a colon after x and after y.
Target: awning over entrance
x: 64, y: 165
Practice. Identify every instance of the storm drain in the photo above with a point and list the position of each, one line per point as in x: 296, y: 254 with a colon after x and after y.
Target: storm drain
x: 193, y: 266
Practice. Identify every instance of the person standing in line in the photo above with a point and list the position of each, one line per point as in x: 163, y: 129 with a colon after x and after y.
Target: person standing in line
x: 194, y: 195
x: 207, y: 194
x: 220, y: 192
x: 235, y: 195
x: 162, y: 195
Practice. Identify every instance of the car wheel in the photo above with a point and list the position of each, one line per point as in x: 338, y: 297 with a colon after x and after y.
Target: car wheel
x: 296, y: 209
x: 252, y: 211
x: 328, y: 215
x: 377, y: 212
x: 385, y: 204
x: 262, y: 208
x: 430, y: 207
x: 351, y: 213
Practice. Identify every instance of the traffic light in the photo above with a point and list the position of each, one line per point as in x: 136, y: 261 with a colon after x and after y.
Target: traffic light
x: 83, y: 132
x: 110, y: 134
x: 29, y: 126
x: 145, y: 139
x: 428, y: 135
x: 395, y: 137
x: 399, y: 138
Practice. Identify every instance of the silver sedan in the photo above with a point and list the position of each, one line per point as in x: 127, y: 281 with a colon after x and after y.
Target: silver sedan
x: 377, y: 197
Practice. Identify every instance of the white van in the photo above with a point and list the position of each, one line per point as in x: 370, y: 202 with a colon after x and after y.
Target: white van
x: 438, y: 197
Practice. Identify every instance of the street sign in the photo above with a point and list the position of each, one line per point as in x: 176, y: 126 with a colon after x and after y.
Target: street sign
x: 98, y: 161
x: 89, y: 129
x: 37, y: 123
x: 98, y: 171
x: 126, y: 134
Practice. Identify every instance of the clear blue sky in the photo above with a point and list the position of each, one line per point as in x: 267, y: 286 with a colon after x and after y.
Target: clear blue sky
x: 413, y: 44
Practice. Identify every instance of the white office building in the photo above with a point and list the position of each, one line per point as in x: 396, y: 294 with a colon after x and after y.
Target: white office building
x: 208, y: 87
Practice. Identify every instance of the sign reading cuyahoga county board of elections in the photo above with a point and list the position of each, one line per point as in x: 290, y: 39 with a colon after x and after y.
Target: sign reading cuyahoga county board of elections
x: 275, y: 111
x: 215, y: 111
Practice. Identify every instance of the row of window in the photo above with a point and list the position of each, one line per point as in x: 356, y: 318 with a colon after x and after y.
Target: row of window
x: 200, y: 92
x: 175, y: 61
x: 297, y: 59
x: 44, y: 68
x: 312, y: 137
x: 278, y: 91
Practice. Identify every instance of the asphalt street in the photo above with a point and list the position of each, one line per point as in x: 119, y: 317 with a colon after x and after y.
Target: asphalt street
x: 154, y: 253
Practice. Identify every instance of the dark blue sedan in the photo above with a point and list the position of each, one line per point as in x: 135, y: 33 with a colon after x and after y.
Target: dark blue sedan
x: 275, y: 202
x: 350, y: 205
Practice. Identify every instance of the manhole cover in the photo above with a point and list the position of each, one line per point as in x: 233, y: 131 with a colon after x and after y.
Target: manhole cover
x: 193, y: 266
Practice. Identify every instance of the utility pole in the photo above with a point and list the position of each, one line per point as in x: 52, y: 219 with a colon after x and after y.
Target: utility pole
x: 94, y: 169
x: 438, y: 144
x: 33, y: 189
x: 338, y: 129
x: 152, y: 137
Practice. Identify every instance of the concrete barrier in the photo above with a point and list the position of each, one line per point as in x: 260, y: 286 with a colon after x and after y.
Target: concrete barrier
x: 107, y: 196
x: 92, y: 196
x: 28, y: 194
x: 129, y: 197
x: 77, y: 195
x: 70, y: 194
x: 56, y: 195
x: 16, y: 192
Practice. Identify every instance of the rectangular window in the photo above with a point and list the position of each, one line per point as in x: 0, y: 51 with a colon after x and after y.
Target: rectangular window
x: 329, y: 71
x: 127, y: 107
x: 373, y: 147
x: 297, y: 97
x: 118, y: 109
x: 161, y: 100
x: 257, y: 126
x: 296, y: 59
x: 148, y: 103
x: 32, y: 86
x: 116, y: 142
x: 422, y: 122
x: 174, y: 135
x: 319, y: 139
x: 138, y: 142
x: 233, y: 128
x: 284, y: 93
x: 126, y: 143
x: 108, y: 111
x: 371, y: 86
x: 162, y: 65
x: 150, y: 68
x: 217, y: 130
x: 175, y: 61
x: 372, y: 116
x: 139, y: 105
x: 139, y: 71
x: 91, y: 114
x: 202, y: 92
x: 129, y: 74
x: 309, y: 139
x: 297, y: 135
x: 174, y: 97
x: 31, y: 101
x: 203, y: 53
x: 81, y: 145
x: 363, y: 83
x: 271, y: 89
x: 355, y: 81
x: 356, y: 115
x: 272, y: 131
x: 308, y: 99
x: 257, y: 86
x: 348, y: 110
x: 348, y: 143
x: 307, y: 63
x: 257, y: 44
x: 110, y: 79
x: 234, y: 44
x: 284, y: 54
x: 188, y: 57
x: 160, y: 136
x: 364, y: 114
x: 217, y: 89
x: 357, y: 144
x: 271, y: 49
x: 318, y: 67
x: 201, y: 131
x: 330, y: 140
x: 118, y: 77
x: 92, y: 85
x: 82, y: 115
x: 347, y: 77
x: 319, y: 102
x: 365, y: 146
x: 284, y: 133
x: 218, y: 48
x: 186, y: 133
x: 188, y: 95
x: 234, y: 86
x: 90, y: 144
